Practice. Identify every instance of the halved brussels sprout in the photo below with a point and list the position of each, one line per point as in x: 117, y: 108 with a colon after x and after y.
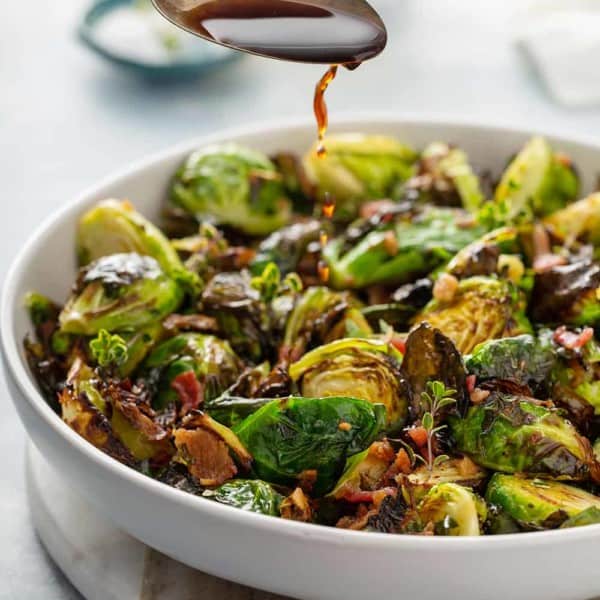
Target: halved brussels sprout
x: 191, y: 368
x: 514, y: 434
x: 232, y: 185
x: 482, y: 309
x: 537, y: 503
x: 524, y: 359
x: 115, y: 227
x: 536, y: 182
x: 445, y: 177
x: 399, y: 252
x: 580, y: 220
x: 248, y: 494
x: 121, y: 292
x: 207, y: 449
x: 366, y: 369
x: 291, y: 436
x: 453, y: 510
x: 567, y: 294
x: 359, y: 167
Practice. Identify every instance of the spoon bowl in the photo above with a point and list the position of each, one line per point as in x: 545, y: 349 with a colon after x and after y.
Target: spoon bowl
x: 314, y: 31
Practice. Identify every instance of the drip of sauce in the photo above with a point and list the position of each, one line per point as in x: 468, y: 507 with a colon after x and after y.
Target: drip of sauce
x: 315, y: 31
x: 320, y: 107
x: 327, y: 210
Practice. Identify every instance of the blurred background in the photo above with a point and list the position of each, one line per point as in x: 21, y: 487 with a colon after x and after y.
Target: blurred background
x: 71, y: 113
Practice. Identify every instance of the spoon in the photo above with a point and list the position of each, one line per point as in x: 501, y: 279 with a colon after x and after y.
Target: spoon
x: 316, y: 31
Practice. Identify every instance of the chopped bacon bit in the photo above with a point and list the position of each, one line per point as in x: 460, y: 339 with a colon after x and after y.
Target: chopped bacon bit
x: 307, y: 479
x: 382, y: 450
x: 445, y: 287
x: 296, y: 507
x: 402, y: 461
x: 545, y: 262
x: 471, y: 381
x: 370, y: 209
x: 359, y: 497
x: 399, y: 343
x: 189, y: 390
x: 390, y: 243
x: 478, y: 395
x: 571, y: 340
x: 541, y: 240
x: 466, y: 467
x: 379, y: 495
x: 344, y: 426
x: 418, y: 435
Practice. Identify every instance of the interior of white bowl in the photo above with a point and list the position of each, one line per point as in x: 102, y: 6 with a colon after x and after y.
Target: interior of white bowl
x: 47, y: 262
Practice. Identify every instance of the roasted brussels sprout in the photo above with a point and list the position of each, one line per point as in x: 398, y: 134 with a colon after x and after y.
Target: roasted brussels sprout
x: 524, y: 359
x: 444, y: 177
x: 537, y: 503
x: 514, y: 434
x: 536, y: 182
x: 232, y: 185
x: 567, y: 294
x: 452, y: 510
x: 248, y: 494
x: 121, y: 292
x: 589, y: 516
x: 366, y: 369
x: 483, y: 308
x: 292, y: 436
x: 191, y: 368
x: 399, y: 252
x: 580, y: 220
x: 357, y: 168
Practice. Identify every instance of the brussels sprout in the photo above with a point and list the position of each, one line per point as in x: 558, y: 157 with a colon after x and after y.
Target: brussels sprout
x: 445, y: 177
x: 431, y: 356
x: 41, y: 309
x: 482, y: 309
x: 248, y: 494
x: 453, y: 510
x: 232, y: 185
x: 399, y: 252
x: 524, y: 359
x: 210, y: 361
x: 110, y: 417
x: 114, y: 227
x: 536, y: 503
x: 291, y: 436
x: 589, y: 516
x: 121, y: 292
x: 206, y: 447
x: 536, y: 182
x: 580, y: 220
x: 514, y: 434
x: 567, y: 294
x: 286, y: 246
x: 366, y: 369
x: 363, y: 472
x: 139, y: 343
x: 359, y: 167
x: 482, y: 256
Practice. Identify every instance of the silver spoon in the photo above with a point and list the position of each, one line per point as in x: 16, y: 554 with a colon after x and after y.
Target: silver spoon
x: 316, y: 31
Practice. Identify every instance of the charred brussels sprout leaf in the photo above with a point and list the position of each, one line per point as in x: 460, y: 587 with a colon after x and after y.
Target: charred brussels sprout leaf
x: 209, y: 360
x: 291, y: 436
x: 536, y: 182
x: 513, y: 434
x: 453, y: 510
x: 524, y: 359
x: 580, y: 220
x: 539, y: 504
x: 401, y: 252
x: 567, y: 294
x: 483, y: 308
x: 357, y: 168
x: 366, y: 369
x: 232, y: 185
x: 248, y: 494
x: 429, y: 356
x: 118, y: 293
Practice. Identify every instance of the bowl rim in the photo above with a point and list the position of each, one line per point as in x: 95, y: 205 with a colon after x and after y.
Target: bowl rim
x: 11, y: 349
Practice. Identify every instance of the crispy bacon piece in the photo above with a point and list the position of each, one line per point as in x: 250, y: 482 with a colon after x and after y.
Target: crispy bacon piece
x: 296, y: 507
x: 571, y: 340
x: 189, y: 390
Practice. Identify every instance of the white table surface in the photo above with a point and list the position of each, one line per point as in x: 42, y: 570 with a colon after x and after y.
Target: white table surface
x: 67, y: 119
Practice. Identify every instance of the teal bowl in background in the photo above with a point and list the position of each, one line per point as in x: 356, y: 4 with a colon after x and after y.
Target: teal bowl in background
x: 194, y: 58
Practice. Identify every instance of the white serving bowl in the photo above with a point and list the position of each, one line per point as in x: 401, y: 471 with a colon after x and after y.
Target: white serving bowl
x: 304, y: 561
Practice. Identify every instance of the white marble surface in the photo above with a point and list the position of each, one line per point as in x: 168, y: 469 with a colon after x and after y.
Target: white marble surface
x: 67, y: 119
